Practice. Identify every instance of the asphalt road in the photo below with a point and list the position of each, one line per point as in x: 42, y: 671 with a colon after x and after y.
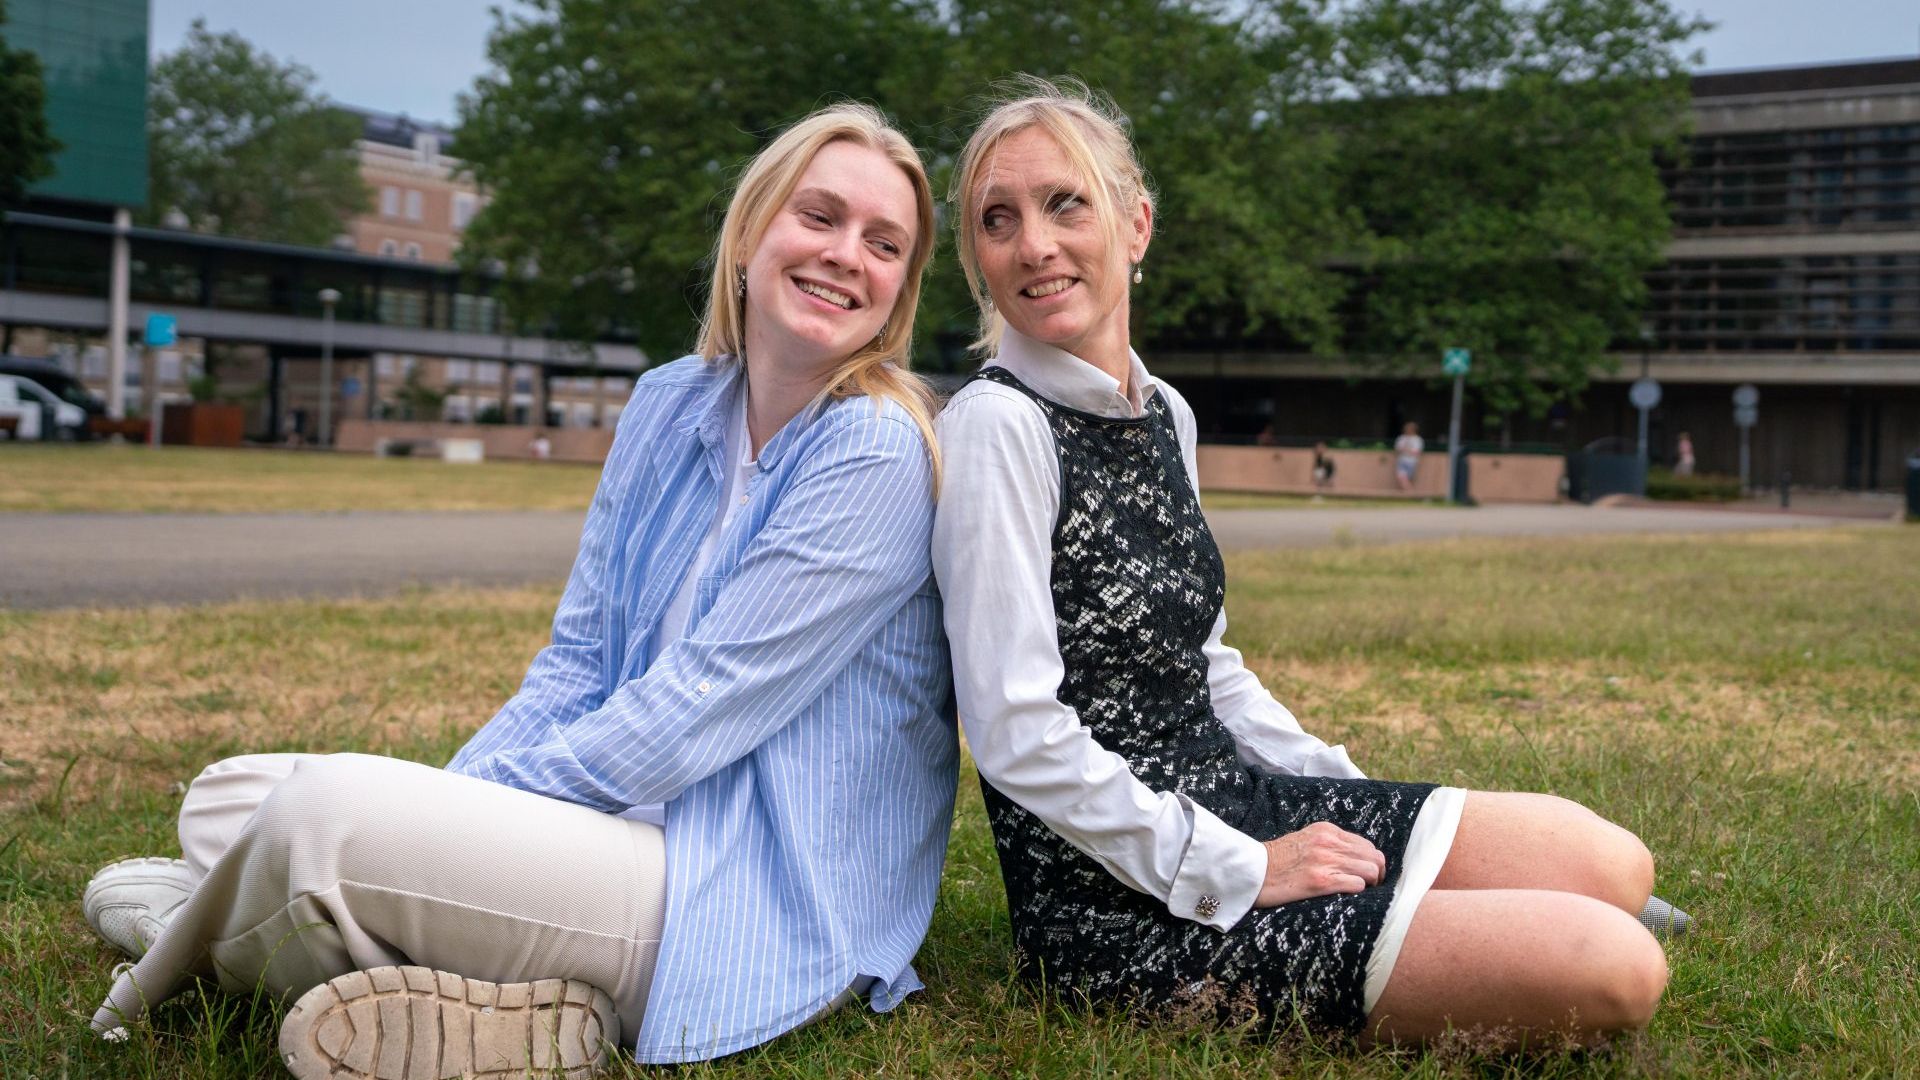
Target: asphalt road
x: 122, y: 560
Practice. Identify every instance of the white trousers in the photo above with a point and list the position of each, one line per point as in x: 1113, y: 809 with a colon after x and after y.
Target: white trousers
x: 311, y: 866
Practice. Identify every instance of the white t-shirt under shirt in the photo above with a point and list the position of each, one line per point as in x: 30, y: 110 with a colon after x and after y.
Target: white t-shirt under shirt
x: 739, y: 456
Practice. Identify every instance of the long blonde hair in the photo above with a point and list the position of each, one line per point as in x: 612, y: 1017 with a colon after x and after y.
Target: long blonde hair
x: 1090, y: 130
x: 880, y: 368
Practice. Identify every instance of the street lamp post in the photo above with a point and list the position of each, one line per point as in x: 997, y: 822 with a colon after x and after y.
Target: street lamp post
x: 328, y: 298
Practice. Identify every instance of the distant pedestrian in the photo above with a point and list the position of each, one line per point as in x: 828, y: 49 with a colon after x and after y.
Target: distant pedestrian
x: 1406, y: 455
x: 1683, y: 462
x: 1322, y: 469
x: 541, y: 448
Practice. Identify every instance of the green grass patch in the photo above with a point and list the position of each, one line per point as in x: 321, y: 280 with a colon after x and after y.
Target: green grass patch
x: 174, y: 479
x: 1746, y: 704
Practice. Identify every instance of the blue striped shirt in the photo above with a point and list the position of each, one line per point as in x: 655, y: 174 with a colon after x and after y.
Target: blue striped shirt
x: 801, y: 733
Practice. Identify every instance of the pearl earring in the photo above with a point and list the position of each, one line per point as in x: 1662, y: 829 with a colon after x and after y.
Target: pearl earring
x: 1136, y: 273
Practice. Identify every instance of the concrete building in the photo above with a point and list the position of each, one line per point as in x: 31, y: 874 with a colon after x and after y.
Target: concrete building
x: 1794, y: 267
x: 423, y: 201
x: 94, y: 56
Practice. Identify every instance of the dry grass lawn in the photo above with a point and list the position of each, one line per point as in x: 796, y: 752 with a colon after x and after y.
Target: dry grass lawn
x: 1750, y: 705
x: 103, y: 477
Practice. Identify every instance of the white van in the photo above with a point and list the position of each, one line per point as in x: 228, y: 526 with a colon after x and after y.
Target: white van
x: 36, y: 412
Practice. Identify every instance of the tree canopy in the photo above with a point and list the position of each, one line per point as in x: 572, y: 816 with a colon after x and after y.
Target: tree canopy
x: 26, y: 146
x: 1381, y: 178
x: 241, y: 144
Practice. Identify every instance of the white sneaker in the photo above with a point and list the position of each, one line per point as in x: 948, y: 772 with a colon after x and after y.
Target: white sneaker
x: 403, y: 1023
x: 1665, y: 921
x: 129, y: 902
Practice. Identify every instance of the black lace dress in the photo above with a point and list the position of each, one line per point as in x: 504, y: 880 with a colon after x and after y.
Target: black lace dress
x: 1137, y: 583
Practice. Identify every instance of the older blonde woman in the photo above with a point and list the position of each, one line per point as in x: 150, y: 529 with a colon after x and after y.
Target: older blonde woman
x: 718, y: 804
x: 1167, y: 832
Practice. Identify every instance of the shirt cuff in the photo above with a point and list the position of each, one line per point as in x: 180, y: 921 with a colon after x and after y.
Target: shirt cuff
x: 1220, y: 875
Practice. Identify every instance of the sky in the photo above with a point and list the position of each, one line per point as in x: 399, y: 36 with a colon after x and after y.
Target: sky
x: 414, y: 56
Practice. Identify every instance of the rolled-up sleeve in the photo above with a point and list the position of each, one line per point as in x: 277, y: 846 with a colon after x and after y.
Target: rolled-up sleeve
x: 992, y: 554
x: 568, y: 677
x: 841, y: 552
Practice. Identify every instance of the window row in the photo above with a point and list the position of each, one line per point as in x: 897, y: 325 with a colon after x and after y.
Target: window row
x: 409, y: 204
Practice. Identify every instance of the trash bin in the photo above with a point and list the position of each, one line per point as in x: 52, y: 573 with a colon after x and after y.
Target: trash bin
x: 1913, y: 486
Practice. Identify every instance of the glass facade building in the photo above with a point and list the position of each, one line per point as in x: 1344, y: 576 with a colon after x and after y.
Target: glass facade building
x: 94, y: 54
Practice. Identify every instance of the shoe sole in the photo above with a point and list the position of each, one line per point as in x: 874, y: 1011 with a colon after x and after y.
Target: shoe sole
x: 415, y: 1023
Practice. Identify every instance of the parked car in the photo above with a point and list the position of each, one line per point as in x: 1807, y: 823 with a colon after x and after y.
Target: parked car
x: 55, y: 378
x: 37, y: 413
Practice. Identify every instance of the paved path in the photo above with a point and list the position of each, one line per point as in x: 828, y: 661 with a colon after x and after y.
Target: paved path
x: 118, y: 560
x: 1241, y: 530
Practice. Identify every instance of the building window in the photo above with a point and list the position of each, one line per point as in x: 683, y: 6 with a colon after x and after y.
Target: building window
x: 465, y: 205
x: 413, y: 251
x: 583, y: 414
x: 487, y: 371
x: 413, y: 206
x: 168, y: 366
x: 426, y: 145
x: 93, y: 362
x: 390, y: 201
x: 387, y: 365
x: 389, y: 248
x: 459, y: 371
x: 457, y: 409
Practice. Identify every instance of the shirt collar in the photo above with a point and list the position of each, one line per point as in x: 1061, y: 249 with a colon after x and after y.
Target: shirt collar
x: 1065, y: 379
x: 710, y: 412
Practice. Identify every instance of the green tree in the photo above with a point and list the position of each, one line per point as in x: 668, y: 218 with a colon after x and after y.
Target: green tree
x: 1248, y: 214
x: 242, y: 145
x: 608, y: 132
x: 26, y: 146
x: 1503, y: 155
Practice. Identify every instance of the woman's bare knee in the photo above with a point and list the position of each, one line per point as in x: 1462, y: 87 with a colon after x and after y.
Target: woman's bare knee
x: 1518, y: 965
x: 1627, y: 989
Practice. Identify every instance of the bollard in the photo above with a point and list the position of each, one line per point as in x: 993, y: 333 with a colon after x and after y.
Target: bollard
x: 1913, y: 486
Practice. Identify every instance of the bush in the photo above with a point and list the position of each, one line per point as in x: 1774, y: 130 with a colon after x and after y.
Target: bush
x: 1701, y: 487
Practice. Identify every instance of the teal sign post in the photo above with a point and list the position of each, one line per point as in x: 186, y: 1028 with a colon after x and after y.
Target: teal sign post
x: 162, y: 331
x: 1455, y: 362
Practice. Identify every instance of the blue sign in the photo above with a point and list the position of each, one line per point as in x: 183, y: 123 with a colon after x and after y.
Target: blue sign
x: 1456, y: 361
x: 161, y: 331
x: 349, y: 387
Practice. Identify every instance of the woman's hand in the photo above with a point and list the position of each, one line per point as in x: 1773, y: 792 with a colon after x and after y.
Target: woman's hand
x: 1319, y: 860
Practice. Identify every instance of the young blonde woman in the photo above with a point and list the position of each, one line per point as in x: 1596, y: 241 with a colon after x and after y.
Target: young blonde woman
x: 1167, y: 832
x: 718, y: 804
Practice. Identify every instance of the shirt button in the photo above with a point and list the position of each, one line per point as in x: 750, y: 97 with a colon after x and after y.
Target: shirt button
x: 704, y: 686
x: 743, y: 500
x: 1206, y: 906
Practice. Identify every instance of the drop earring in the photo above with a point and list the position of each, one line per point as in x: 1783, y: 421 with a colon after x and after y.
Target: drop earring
x: 1137, y: 275
x: 740, y: 282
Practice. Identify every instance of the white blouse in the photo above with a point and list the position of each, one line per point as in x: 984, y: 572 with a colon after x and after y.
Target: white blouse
x: 993, y: 554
